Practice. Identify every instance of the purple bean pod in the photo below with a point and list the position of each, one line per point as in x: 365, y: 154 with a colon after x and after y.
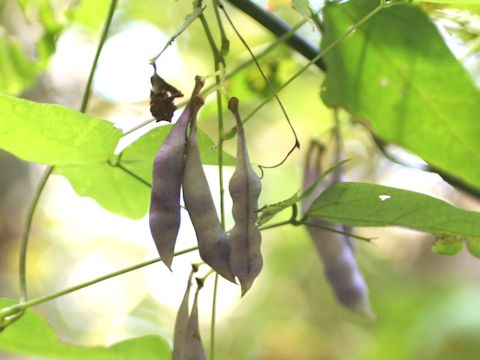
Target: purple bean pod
x: 168, y: 168
x: 335, y: 250
x: 245, y: 238
x: 181, y: 324
x: 193, y: 347
x: 213, y: 242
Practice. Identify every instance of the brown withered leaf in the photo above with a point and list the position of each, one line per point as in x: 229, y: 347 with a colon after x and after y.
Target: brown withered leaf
x: 162, y: 97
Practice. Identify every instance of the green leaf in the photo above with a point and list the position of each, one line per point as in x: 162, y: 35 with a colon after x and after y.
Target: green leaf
x: 447, y: 245
x: 54, y: 135
x: 111, y: 187
x: 360, y: 204
x: 31, y: 335
x: 118, y: 191
x: 139, y: 156
x: 396, y: 73
x: 269, y: 211
x: 451, y: 2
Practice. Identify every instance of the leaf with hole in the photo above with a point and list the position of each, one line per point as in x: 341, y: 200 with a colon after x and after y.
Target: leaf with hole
x: 361, y: 204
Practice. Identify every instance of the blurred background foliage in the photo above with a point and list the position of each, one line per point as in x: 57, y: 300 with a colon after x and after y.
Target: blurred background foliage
x: 426, y: 305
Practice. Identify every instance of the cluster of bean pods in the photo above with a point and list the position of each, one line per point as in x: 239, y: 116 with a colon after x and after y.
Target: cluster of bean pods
x: 335, y: 250
x: 178, y: 166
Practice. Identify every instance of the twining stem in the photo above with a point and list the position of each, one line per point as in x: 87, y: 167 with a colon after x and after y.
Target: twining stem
x: 218, y: 61
x: 22, y: 271
x: 93, y: 68
x: 322, y: 53
x: 49, y: 170
x: 12, y: 310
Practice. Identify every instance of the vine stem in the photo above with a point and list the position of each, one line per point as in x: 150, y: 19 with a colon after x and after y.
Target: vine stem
x: 22, y: 271
x: 14, y: 309
x: 218, y: 61
x: 49, y: 170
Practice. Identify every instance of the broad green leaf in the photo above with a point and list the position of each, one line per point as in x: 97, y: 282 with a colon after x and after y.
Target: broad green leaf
x: 52, y: 134
x: 111, y: 187
x: 359, y: 204
x: 118, y: 191
x: 396, y: 73
x: 31, y: 335
x: 138, y: 157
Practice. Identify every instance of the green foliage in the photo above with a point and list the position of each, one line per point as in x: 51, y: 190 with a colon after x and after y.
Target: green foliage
x: 16, y: 70
x: 89, y: 13
x: 359, y: 204
x: 54, y: 135
x: 118, y: 191
x: 114, y: 189
x: 447, y: 245
x: 32, y: 335
x: 396, y: 73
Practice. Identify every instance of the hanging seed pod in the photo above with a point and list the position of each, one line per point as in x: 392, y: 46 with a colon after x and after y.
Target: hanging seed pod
x: 193, y: 347
x: 162, y: 98
x: 164, y: 215
x: 335, y: 250
x: 213, y: 242
x: 245, y: 238
x: 181, y: 324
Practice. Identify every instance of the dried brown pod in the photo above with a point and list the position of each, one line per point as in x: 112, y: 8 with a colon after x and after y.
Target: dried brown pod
x: 213, y: 242
x: 335, y: 250
x: 245, y: 256
x: 168, y: 168
x: 162, y: 98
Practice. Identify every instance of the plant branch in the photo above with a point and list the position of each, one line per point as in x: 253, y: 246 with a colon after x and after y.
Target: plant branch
x: 218, y: 61
x: 22, y: 306
x: 93, y: 68
x: 22, y: 270
x: 278, y: 27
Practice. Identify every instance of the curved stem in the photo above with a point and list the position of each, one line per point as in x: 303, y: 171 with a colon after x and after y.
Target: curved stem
x: 49, y: 170
x: 22, y: 270
x: 11, y: 310
x: 103, y: 38
x: 214, y: 318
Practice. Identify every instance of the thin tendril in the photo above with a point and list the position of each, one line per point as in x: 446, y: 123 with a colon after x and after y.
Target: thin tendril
x: 267, y: 80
